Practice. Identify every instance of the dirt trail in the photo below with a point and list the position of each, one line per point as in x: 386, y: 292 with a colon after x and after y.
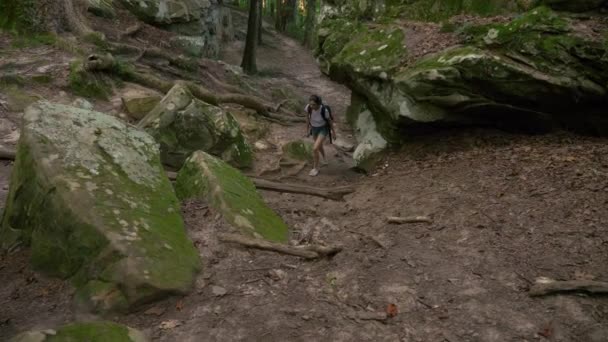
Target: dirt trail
x: 506, y: 209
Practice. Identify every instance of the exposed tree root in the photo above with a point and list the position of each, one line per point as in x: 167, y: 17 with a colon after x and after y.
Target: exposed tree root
x: 107, y: 63
x: 306, y: 252
x: 588, y: 286
x: 337, y: 193
x: 130, y: 31
x: 412, y: 219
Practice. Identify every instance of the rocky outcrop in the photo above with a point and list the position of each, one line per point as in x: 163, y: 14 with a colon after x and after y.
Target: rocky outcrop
x: 183, y: 124
x: 202, y: 20
x: 89, y: 195
x: 536, y: 73
x: 232, y: 194
x: 86, y: 331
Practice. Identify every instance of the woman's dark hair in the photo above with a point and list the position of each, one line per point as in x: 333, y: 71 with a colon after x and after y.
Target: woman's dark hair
x: 315, y: 98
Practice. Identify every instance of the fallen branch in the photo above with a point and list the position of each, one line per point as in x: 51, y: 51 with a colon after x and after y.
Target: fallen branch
x: 369, y: 316
x: 588, y: 286
x: 412, y: 219
x: 306, y: 252
x: 336, y: 194
x: 7, y: 153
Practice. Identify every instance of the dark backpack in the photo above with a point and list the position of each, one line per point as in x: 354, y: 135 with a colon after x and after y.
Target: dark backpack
x: 324, y: 108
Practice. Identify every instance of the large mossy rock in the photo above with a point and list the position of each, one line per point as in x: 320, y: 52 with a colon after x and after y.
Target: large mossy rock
x: 183, y: 124
x: 535, y: 73
x: 232, y: 194
x: 90, y: 196
x: 88, y: 331
x: 167, y: 11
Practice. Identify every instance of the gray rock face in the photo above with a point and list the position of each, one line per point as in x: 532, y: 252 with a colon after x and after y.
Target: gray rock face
x: 203, y: 20
x: 86, y: 194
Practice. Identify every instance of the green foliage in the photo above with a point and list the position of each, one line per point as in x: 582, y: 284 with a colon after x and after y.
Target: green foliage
x: 21, y: 16
x: 34, y: 40
x: 89, y: 84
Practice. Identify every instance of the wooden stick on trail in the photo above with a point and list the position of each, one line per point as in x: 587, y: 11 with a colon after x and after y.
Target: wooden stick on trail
x: 306, y: 252
x: 411, y: 219
x: 588, y: 286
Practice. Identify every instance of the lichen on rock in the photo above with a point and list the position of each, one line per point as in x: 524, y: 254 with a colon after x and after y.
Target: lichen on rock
x: 232, y: 194
x: 89, y: 195
x: 183, y: 124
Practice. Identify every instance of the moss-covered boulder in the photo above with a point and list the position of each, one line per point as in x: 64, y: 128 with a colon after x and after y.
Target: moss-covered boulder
x: 89, y: 195
x: 167, y: 12
x: 231, y: 193
x: 535, y: 73
x: 139, y: 102
x: 298, y: 150
x: 183, y: 124
x: 87, y: 331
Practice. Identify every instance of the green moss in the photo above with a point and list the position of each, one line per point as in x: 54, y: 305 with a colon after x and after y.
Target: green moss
x: 96, y: 39
x: 22, y: 16
x: 89, y: 84
x: 99, y: 210
x: 372, y: 51
x: 299, y: 150
x: 341, y: 31
x: 25, y: 41
x: 190, y: 124
x: 95, y: 332
x: 438, y: 10
x: 42, y: 79
x: 231, y: 193
x: 98, y: 331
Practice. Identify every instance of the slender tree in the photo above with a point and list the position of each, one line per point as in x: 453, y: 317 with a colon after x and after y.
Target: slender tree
x: 260, y: 16
x: 251, y: 42
x: 311, y: 9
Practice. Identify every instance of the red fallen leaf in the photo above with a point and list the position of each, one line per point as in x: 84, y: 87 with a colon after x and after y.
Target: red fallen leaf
x: 391, y: 310
x: 546, y: 332
x: 180, y: 305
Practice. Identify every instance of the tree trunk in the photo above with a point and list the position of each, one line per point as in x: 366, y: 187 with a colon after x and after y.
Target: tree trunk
x: 277, y: 15
x: 40, y: 16
x: 251, y: 43
x: 311, y: 11
x: 260, y: 16
x: 296, y: 12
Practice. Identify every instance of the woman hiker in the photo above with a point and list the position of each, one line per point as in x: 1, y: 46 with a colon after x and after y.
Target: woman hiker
x: 320, y: 125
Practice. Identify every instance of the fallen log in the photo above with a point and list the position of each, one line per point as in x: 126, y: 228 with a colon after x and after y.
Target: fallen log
x: 306, y: 252
x: 588, y: 286
x: 336, y: 194
x: 7, y: 153
x: 411, y: 219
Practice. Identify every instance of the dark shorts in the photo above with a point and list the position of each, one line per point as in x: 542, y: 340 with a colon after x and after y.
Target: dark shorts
x: 316, y: 131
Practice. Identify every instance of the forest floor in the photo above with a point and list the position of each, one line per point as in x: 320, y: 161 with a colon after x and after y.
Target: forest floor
x: 505, y: 208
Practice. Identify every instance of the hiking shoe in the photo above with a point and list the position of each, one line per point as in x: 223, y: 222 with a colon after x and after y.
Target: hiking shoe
x: 313, y: 172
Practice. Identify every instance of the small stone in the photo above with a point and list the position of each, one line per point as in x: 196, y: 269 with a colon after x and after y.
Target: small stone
x: 218, y: 291
x: 306, y: 317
